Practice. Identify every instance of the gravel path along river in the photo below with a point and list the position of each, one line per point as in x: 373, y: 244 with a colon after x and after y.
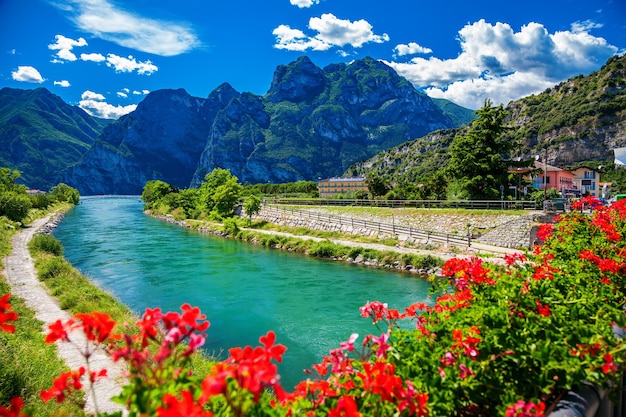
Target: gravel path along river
x: 22, y: 277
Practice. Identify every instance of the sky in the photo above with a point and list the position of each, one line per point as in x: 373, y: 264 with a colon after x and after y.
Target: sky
x: 106, y: 55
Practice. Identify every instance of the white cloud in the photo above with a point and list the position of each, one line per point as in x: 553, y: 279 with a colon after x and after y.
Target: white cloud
x: 331, y: 32
x: 295, y: 40
x: 122, y: 94
x: 503, y: 65
x: 93, y: 57
x: 411, y: 49
x: 141, y: 93
x: 585, y: 26
x: 130, y: 64
x: 303, y: 3
x: 94, y: 104
x: 64, y: 46
x: 27, y: 74
x: 62, y: 83
x: 105, y: 20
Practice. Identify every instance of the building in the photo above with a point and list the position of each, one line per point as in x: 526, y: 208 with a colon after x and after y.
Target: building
x: 557, y: 178
x: 587, y: 180
x: 333, y: 186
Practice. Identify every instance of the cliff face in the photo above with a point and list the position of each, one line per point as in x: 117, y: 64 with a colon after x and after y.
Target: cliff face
x: 162, y: 139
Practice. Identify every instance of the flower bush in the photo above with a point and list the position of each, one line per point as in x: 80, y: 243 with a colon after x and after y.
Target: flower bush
x: 508, y: 339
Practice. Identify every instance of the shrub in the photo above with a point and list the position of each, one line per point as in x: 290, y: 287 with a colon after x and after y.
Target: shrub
x: 46, y: 243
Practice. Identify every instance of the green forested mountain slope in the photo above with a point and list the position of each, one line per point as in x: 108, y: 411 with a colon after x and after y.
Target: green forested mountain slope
x: 40, y: 134
x: 581, y: 119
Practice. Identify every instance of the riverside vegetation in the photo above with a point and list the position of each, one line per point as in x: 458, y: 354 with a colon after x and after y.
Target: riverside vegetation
x: 496, y: 340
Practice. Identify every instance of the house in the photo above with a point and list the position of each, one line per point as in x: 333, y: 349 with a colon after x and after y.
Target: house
x: 335, y: 185
x: 557, y: 178
x: 587, y: 180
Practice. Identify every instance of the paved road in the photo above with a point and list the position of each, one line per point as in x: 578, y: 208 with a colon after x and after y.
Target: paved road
x: 21, y: 276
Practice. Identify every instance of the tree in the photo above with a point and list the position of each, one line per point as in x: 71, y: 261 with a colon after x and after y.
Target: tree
x: 376, y: 185
x: 219, y: 192
x: 252, y: 205
x: 15, y: 206
x: 476, y: 159
x: 154, y: 190
x: 63, y: 192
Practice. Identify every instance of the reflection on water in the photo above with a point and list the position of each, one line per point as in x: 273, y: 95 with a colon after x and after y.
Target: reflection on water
x: 244, y: 290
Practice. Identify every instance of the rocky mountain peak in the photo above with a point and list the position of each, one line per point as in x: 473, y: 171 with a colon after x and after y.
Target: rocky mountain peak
x: 299, y: 81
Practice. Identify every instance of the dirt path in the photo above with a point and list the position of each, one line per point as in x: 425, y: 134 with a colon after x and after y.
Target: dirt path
x: 22, y: 277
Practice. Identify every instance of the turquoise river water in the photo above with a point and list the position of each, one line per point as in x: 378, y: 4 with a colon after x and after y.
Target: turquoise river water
x: 245, y: 290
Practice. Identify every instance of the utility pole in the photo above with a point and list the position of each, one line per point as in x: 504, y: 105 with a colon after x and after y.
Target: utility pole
x: 545, y: 174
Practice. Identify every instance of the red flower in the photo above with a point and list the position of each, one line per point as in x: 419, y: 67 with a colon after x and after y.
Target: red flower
x: 545, y: 231
x: 59, y: 331
x: 543, y: 309
x: 63, y: 385
x: 96, y: 326
x: 183, y: 407
x: 526, y: 409
x: 6, y: 314
x: 14, y: 410
x: 609, y: 366
x: 346, y: 407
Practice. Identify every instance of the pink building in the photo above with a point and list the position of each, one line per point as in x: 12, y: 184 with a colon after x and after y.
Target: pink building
x: 557, y: 178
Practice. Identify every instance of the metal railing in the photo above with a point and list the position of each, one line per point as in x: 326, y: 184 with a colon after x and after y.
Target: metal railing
x: 435, y: 204
x: 389, y: 228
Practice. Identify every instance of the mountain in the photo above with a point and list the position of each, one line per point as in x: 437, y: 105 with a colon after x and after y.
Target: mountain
x: 162, y: 139
x: 581, y: 119
x: 312, y: 123
x: 41, y: 135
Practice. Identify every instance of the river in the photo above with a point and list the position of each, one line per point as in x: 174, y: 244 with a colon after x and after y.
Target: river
x: 245, y: 290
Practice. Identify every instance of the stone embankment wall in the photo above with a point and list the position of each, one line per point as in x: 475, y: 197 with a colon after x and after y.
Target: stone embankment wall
x: 502, y: 230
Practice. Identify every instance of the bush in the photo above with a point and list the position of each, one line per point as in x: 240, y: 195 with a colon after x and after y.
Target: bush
x: 53, y: 267
x: 46, y: 243
x: 324, y: 249
x: 15, y: 206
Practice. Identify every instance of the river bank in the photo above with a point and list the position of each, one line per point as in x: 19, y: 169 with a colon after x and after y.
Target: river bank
x: 398, y: 257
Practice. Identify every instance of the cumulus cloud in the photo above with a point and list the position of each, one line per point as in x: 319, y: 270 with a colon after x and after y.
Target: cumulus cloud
x: 95, y: 104
x: 105, y: 20
x: 503, y: 65
x: 303, y: 3
x: 331, y: 32
x: 130, y: 64
x: 64, y: 46
x: 411, y: 49
x: 62, y: 83
x: 93, y: 57
x: 27, y: 74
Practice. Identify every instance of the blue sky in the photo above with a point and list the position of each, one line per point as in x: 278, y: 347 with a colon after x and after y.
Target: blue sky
x: 106, y: 55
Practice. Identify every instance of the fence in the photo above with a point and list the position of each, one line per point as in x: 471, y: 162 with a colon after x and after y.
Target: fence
x: 455, y: 204
x: 393, y: 229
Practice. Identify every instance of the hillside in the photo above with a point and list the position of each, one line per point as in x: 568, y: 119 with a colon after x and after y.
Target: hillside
x: 41, y: 135
x: 581, y: 119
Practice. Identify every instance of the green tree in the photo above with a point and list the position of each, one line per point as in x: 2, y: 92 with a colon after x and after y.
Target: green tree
x: 220, y: 192
x: 377, y: 185
x: 63, y: 192
x: 15, y: 206
x: 252, y: 205
x: 154, y: 190
x: 476, y: 159
x: 8, y: 177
